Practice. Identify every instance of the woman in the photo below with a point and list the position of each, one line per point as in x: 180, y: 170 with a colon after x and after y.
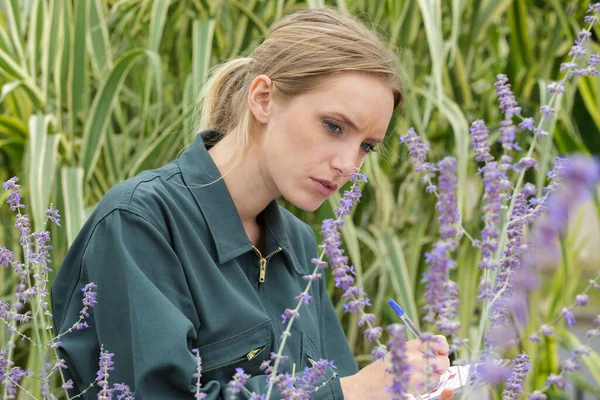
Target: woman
x: 198, y: 253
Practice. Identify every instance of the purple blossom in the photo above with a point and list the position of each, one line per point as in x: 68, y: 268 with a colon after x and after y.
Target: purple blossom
x: 357, y: 305
x: 546, y: 330
x: 508, y: 104
x: 366, y: 318
x: 68, y: 384
x: 528, y: 162
x: 557, y: 87
x: 436, y: 278
x: 492, y: 372
x: 446, y: 205
x: 547, y: 111
x: 378, y: 352
x: 557, y: 380
x: 53, y: 215
x: 311, y: 277
x: 514, y: 383
x: 6, y: 256
x: 372, y: 334
x: 529, y: 190
x: 305, y: 297
x: 508, y: 133
x: 399, y: 367
x: 492, y: 180
x: 577, y: 51
x: 418, y: 153
x: 594, y: 60
x: 480, y: 141
x: 43, y: 254
x: 537, y: 395
x: 527, y: 124
x: 582, y: 299
x: 289, y: 314
x: 102, y: 375
x: 14, y: 197
x: 237, y: 382
x: 568, y: 314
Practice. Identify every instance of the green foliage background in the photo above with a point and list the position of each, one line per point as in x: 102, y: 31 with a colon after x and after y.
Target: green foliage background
x: 95, y: 91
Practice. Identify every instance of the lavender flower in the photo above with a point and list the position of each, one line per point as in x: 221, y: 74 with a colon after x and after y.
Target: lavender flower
x: 537, y: 395
x: 446, y: 205
x: 399, y: 367
x: 582, y: 299
x: 14, y: 197
x: 197, y: 375
x: 556, y: 380
x: 480, y: 141
x: 418, y: 153
x: 237, y: 382
x: 436, y: 278
x: 492, y: 180
x: 53, y: 215
x: 6, y: 256
x: 508, y: 104
x: 527, y: 124
x: 547, y: 111
x: 514, y: 383
x: 106, y: 364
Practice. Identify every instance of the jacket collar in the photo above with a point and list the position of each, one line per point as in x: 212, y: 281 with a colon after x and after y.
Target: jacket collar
x: 224, y: 223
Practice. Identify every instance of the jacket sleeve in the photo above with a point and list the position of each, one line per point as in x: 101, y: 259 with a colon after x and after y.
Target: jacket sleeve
x: 144, y: 314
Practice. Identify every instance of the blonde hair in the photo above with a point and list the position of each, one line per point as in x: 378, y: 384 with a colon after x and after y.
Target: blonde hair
x: 300, y: 51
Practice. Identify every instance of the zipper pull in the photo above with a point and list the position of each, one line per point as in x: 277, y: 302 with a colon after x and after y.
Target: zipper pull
x: 311, y: 361
x: 262, y: 270
x: 252, y: 353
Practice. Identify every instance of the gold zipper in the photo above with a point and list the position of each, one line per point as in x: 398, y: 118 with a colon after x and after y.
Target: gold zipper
x: 263, y: 263
x: 251, y: 354
x: 311, y: 361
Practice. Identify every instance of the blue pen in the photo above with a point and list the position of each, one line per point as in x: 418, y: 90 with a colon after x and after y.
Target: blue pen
x: 404, y: 318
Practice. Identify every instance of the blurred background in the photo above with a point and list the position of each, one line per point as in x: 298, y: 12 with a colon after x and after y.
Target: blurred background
x: 94, y: 91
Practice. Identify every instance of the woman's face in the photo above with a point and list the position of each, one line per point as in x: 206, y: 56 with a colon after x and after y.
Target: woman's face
x: 312, y: 142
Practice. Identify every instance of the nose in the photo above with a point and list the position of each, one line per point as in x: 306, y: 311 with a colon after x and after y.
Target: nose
x: 345, y: 160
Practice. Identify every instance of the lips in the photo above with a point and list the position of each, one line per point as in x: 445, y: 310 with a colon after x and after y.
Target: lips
x: 325, y: 187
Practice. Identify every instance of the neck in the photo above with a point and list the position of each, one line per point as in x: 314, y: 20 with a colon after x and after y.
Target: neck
x: 248, y: 183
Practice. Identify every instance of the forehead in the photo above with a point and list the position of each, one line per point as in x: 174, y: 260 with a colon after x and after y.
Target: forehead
x: 364, y: 98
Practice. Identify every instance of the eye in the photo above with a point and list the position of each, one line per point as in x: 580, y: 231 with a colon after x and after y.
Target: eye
x: 367, y: 147
x: 333, y: 127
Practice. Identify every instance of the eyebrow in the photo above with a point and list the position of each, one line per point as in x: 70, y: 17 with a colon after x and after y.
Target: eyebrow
x: 348, y: 121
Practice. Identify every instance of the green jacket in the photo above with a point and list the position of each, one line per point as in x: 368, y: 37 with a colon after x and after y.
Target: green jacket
x: 175, y: 271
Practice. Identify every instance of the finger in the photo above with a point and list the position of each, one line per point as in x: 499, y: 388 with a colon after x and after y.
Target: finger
x: 442, y: 363
x: 440, y: 344
x: 447, y: 394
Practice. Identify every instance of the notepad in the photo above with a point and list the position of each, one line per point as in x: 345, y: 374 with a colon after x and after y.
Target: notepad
x: 457, y: 378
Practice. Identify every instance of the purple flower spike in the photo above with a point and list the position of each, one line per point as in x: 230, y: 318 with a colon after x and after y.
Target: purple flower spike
x: 594, y: 60
x: 399, y: 367
x: 418, y: 152
x: 14, y: 197
x: 288, y: 314
x: 237, y: 382
x: 446, y: 206
x: 508, y: 104
x: 6, y: 257
x: 514, y: 383
x: 106, y: 364
x: 480, y: 142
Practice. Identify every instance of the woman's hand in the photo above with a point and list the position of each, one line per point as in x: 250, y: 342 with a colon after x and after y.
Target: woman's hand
x: 416, y: 358
x: 372, y: 381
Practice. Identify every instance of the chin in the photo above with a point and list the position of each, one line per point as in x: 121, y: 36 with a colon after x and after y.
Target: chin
x: 305, y: 204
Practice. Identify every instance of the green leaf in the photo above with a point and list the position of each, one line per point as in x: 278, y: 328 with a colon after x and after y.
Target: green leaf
x: 77, y: 69
x: 99, y: 116
x: 42, y: 152
x: 74, y: 212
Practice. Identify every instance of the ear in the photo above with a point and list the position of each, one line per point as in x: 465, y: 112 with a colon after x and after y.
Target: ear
x: 260, y: 96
